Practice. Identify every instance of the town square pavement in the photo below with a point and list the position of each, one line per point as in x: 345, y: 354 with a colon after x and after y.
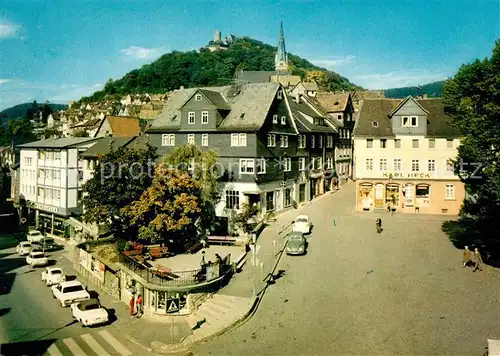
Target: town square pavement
x: 403, y: 292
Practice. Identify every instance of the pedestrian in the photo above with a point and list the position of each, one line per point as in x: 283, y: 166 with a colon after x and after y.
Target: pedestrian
x: 467, y: 258
x: 203, y: 263
x: 139, y: 304
x: 132, y: 306
x: 478, y: 260
x: 378, y: 224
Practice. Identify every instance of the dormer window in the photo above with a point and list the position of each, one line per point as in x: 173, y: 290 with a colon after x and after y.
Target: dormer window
x: 283, y: 120
x: 275, y: 119
x: 280, y: 95
x: 408, y: 121
x: 197, y: 97
x: 374, y: 124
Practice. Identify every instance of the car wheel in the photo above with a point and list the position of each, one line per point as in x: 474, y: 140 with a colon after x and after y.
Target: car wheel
x: 62, y: 305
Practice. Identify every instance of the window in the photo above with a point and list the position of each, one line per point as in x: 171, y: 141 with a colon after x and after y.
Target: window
x: 329, y: 163
x: 284, y: 141
x: 302, y: 141
x: 329, y: 141
x: 369, y: 143
x: 204, y: 117
x: 302, y: 163
x: 449, y: 166
x: 41, y: 173
x: 275, y: 119
x: 57, y: 173
x: 369, y: 164
x: 279, y: 95
x: 28, y: 161
x: 261, y: 166
x: 339, y: 117
x: 235, y: 140
x: 287, y: 164
x: 422, y: 191
x: 57, y: 194
x: 313, y: 141
x: 197, y: 97
x: 432, y: 143
x: 383, y: 143
x: 414, y: 143
x: 204, y: 140
x: 450, y: 192
x: 397, y: 164
x: 41, y: 154
x: 247, y: 166
x: 168, y: 140
x: 409, y: 122
x: 374, y: 124
x: 80, y: 175
x: 288, y: 197
x: 41, y: 192
x: 383, y: 164
x: 271, y: 140
x: 190, y: 139
x: 57, y: 155
x: 319, y: 162
x: 397, y: 143
x: 348, y: 134
x: 49, y: 193
x: 191, y: 117
x: 50, y: 155
x: 415, y: 165
x: 283, y: 120
x: 242, y: 140
x: 320, y: 143
x: 449, y: 143
x: 232, y: 199
x: 431, y: 165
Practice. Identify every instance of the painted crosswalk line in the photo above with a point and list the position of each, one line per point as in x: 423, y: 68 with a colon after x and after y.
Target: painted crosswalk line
x: 94, y: 345
x: 54, y: 351
x: 73, y: 347
x: 115, y: 343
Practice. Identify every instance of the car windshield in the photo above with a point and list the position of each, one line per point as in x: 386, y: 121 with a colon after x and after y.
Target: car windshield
x: 35, y: 233
x: 56, y: 271
x: 295, y: 238
x: 37, y: 255
x: 91, y: 306
x: 302, y: 220
x: 73, y: 289
x: 25, y: 244
x: 48, y: 241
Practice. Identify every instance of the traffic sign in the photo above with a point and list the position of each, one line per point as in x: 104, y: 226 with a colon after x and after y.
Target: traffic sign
x: 172, y: 305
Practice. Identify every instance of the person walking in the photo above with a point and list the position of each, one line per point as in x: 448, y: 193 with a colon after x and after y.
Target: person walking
x: 478, y: 260
x: 467, y: 257
x: 139, y: 304
x: 378, y: 224
x: 132, y: 306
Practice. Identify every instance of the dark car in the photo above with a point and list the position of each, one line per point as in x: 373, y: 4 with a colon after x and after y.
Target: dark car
x: 45, y: 244
x: 296, y: 244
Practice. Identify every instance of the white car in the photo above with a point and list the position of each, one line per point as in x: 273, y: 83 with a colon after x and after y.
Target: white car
x: 24, y: 248
x: 69, y: 292
x: 52, y: 275
x: 34, y: 236
x: 89, y: 312
x: 302, y: 224
x: 37, y: 258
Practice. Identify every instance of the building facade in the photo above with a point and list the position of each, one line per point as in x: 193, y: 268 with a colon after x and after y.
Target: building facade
x: 274, y: 151
x: 403, y: 150
x: 51, y: 177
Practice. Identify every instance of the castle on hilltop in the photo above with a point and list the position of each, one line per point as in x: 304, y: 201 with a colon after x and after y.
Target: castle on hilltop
x: 219, y: 44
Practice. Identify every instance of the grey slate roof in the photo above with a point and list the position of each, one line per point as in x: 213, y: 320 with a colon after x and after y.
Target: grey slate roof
x: 302, y: 108
x: 104, y: 145
x: 64, y: 142
x: 254, y: 76
x: 215, y: 98
x: 438, y: 123
x: 249, y: 105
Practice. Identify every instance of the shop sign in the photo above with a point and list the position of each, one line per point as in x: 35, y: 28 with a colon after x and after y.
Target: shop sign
x: 412, y: 175
x: 52, y: 209
x: 85, y: 259
x: 97, y: 268
x: 173, y: 305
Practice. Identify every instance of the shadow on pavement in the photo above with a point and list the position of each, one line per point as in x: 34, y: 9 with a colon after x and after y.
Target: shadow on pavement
x: 467, y: 232
x: 4, y: 311
x: 6, y: 278
x: 38, y: 347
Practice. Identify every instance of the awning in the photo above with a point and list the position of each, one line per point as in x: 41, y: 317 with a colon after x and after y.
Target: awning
x: 255, y: 191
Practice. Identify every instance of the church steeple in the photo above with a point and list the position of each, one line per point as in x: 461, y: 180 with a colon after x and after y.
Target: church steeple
x: 281, y: 59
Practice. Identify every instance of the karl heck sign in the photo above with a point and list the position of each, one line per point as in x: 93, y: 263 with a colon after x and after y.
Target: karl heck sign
x: 407, y: 175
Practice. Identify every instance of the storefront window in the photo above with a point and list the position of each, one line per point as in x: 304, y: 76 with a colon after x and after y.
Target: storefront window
x: 366, y: 195
x: 392, y: 195
x: 168, y: 302
x: 162, y: 301
x: 422, y: 194
x: 408, y: 194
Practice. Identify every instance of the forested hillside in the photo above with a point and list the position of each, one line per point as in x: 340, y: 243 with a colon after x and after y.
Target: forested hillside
x: 433, y: 90
x: 205, y: 68
x: 21, y: 110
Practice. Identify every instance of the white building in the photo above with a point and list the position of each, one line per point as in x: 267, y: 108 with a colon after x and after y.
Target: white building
x: 51, y: 177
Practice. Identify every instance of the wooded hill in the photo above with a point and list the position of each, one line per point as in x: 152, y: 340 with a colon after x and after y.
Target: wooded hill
x: 433, y: 90
x: 205, y: 68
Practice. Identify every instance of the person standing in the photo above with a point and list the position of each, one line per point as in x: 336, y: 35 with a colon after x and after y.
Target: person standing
x: 467, y: 256
x: 139, y: 304
x: 478, y: 260
x: 203, y: 262
x: 132, y: 306
x: 378, y: 224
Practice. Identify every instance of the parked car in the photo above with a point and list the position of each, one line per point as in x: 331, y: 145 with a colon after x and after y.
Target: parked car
x: 89, y: 312
x: 302, y: 224
x: 37, y: 259
x: 52, y: 275
x: 45, y: 244
x: 34, y: 235
x: 69, y: 292
x: 24, y: 248
x: 296, y: 244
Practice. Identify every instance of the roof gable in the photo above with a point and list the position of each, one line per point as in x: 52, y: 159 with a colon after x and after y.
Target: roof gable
x: 405, y: 102
x: 123, y: 126
x: 332, y: 102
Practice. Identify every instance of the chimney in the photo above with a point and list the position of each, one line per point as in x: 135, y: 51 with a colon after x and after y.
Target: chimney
x: 181, y: 87
x: 297, y: 98
x: 424, y: 96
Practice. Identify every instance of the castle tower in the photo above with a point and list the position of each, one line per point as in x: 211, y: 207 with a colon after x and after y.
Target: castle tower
x: 217, y: 36
x: 281, y: 59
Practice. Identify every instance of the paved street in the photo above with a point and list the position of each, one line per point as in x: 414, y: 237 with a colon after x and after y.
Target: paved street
x: 403, y: 292
x: 33, y: 323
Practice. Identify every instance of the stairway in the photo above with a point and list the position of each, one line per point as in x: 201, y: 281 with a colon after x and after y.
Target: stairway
x: 216, y: 314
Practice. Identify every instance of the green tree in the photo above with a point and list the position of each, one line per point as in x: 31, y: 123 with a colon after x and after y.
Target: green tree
x: 202, y: 165
x: 472, y: 97
x: 170, y: 207
x: 20, y: 128
x: 120, y: 177
x: 81, y: 133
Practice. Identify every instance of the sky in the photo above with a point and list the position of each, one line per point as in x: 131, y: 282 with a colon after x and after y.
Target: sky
x: 63, y: 50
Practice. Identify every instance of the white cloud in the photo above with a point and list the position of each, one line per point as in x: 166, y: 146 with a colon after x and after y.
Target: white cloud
x: 8, y: 29
x: 332, y: 63
x: 397, y: 79
x: 3, y: 81
x: 143, y: 53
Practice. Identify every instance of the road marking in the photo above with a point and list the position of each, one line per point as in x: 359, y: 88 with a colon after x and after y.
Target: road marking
x: 54, y: 351
x: 94, y: 345
x: 74, y: 348
x: 115, y: 343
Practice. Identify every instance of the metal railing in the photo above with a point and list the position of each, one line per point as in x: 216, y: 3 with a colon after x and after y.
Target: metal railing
x: 171, y: 278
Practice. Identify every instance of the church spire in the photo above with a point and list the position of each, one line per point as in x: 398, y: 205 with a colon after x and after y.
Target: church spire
x: 281, y: 59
